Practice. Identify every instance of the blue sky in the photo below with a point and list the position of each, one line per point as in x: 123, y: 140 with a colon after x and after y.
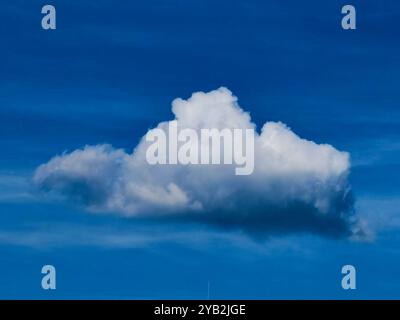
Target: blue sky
x: 109, y: 73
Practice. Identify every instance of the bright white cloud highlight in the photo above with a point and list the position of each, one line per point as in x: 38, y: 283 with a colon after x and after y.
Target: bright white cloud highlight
x: 297, y: 185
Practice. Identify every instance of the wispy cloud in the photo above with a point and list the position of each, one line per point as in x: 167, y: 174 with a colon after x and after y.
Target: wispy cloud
x: 16, y: 188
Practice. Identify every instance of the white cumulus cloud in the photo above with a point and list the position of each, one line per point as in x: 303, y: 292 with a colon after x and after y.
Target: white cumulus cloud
x: 297, y: 185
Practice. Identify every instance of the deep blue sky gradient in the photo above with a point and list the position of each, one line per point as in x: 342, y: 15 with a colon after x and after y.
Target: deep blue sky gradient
x: 110, y: 71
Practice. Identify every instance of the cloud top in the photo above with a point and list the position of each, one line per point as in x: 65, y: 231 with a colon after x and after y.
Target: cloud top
x: 297, y: 185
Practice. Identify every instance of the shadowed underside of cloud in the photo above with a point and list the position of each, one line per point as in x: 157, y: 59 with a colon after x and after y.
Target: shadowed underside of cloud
x: 297, y: 185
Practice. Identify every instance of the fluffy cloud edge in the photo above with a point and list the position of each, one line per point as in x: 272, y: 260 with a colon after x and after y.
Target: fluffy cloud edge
x: 297, y: 185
